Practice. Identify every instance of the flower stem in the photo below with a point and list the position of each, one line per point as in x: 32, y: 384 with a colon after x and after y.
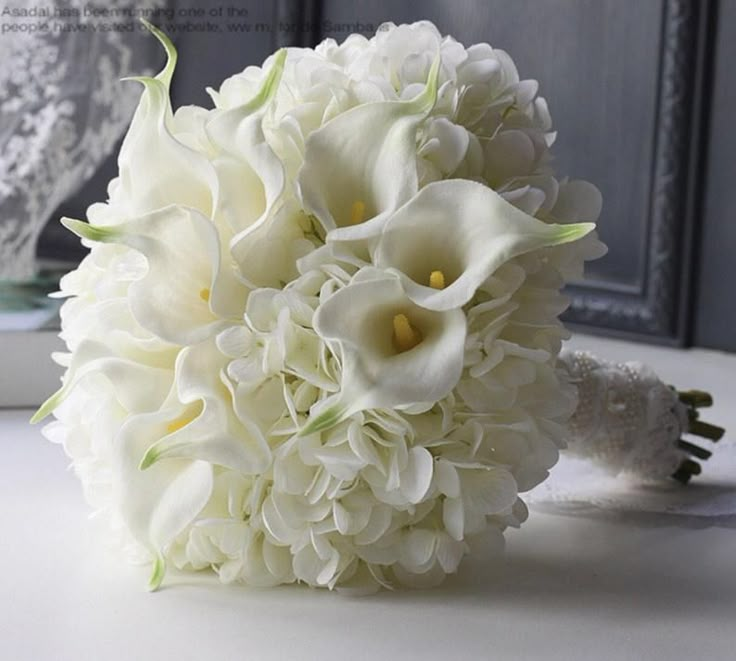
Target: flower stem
x: 693, y: 400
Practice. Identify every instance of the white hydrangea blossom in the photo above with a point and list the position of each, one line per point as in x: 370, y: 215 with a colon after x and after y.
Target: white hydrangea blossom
x: 316, y: 335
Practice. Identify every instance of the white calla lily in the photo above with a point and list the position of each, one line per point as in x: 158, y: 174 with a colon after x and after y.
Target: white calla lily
x: 156, y: 169
x: 187, y: 292
x: 446, y: 241
x: 394, y: 353
x: 209, y: 428
x: 362, y: 165
x: 251, y: 177
x: 156, y: 504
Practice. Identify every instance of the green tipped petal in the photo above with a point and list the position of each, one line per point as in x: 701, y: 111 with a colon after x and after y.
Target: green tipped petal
x: 232, y: 130
x: 91, y: 232
x: 325, y: 420
x: 571, y: 232
x: 158, y: 93
x: 424, y: 102
x: 167, y: 72
x: 215, y: 448
x: 150, y: 458
x: 157, y: 575
x: 49, y: 405
x: 271, y: 82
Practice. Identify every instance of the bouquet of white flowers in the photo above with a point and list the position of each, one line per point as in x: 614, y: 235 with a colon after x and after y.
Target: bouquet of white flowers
x: 316, y: 337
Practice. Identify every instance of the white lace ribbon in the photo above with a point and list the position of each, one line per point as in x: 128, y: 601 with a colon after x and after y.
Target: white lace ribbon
x: 627, y: 419
x: 628, y: 426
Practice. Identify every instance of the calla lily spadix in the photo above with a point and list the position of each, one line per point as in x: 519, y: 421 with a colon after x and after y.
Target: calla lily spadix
x: 451, y: 236
x: 394, y: 353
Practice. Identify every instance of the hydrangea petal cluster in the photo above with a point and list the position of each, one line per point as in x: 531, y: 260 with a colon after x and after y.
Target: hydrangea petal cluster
x: 315, y: 338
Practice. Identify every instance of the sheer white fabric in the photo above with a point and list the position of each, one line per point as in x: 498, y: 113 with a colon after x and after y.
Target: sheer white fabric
x: 62, y: 109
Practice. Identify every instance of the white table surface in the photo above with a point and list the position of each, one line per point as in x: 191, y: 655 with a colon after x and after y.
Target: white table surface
x: 587, y: 587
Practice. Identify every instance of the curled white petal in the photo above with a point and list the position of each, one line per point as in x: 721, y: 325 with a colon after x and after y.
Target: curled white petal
x: 366, y: 156
x: 359, y: 320
x: 156, y: 169
x: 209, y: 429
x: 465, y: 231
x: 185, y: 277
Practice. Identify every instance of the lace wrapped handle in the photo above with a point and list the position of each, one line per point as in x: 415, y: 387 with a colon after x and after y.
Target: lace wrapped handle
x: 628, y: 420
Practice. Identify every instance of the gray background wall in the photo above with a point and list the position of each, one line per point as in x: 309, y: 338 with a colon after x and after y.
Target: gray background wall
x: 641, y: 92
x: 714, y: 319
